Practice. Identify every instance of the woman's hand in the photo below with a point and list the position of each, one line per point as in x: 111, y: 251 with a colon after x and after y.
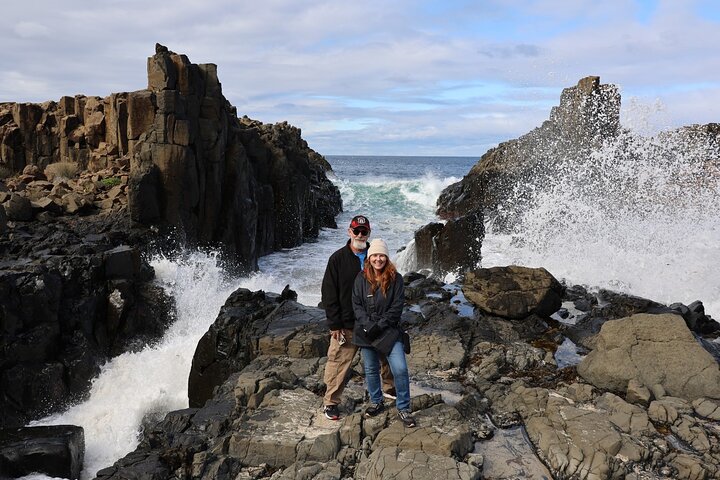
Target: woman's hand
x: 373, y: 332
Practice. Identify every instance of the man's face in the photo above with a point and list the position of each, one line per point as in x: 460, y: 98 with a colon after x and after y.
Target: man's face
x: 359, y: 236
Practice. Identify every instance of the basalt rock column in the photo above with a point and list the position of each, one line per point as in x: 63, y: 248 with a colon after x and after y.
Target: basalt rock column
x: 245, y: 186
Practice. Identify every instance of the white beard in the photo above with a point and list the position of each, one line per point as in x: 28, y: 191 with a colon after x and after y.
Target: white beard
x: 359, y: 244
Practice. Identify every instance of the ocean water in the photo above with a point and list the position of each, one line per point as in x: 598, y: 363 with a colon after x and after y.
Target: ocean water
x: 397, y: 194
x: 657, y: 237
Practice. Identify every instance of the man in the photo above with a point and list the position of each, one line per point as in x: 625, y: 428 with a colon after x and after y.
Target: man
x: 342, y: 268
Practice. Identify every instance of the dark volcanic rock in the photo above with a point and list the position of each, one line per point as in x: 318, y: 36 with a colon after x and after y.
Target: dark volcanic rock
x: 451, y: 247
x: 232, y: 341
x: 424, y: 244
x: 695, y: 318
x: 588, y: 113
x: 57, y: 451
x: 457, y: 247
x: 513, y: 291
x: 107, y: 181
x: 265, y: 420
x: 62, y: 315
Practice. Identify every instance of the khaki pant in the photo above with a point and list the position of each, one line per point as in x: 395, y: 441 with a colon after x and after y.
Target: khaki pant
x: 339, y: 360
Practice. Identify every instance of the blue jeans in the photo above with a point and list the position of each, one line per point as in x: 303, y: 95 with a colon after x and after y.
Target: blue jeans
x: 399, y: 369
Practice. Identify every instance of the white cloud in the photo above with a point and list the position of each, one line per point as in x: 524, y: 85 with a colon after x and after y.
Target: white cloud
x: 430, y: 73
x: 31, y: 29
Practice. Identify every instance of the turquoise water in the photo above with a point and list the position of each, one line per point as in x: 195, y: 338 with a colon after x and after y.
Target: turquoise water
x: 640, y: 227
x: 397, y: 194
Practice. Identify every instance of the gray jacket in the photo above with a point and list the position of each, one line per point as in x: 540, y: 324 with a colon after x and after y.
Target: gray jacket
x: 384, y: 311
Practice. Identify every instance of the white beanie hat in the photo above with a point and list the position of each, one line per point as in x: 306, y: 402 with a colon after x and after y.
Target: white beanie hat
x: 378, y: 246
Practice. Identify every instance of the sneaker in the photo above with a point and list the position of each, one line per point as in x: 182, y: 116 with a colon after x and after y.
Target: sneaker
x: 406, y: 419
x: 391, y: 394
x: 374, y: 409
x: 332, y: 412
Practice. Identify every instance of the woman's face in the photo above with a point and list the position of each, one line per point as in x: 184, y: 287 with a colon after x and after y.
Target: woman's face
x: 378, y: 261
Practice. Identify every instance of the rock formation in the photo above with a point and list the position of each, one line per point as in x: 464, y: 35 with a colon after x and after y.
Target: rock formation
x: 654, y: 350
x: 573, y: 143
x: 450, y: 247
x: 514, y: 291
x: 56, y: 451
x: 234, y: 183
x: 588, y: 114
x: 93, y: 185
x: 264, y: 418
x: 496, y: 187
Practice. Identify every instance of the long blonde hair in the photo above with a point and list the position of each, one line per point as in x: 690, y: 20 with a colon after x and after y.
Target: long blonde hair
x: 382, y: 279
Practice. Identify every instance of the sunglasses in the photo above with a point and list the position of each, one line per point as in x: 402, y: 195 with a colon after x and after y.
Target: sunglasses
x: 360, y: 231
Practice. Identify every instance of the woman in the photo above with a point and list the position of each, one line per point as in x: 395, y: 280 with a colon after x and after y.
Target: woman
x: 378, y: 299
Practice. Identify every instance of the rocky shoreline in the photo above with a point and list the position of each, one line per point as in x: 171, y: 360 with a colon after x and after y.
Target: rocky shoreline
x: 173, y: 165
x: 643, y: 404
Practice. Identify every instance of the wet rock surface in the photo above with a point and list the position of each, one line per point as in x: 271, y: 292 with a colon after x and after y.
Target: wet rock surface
x: 56, y: 451
x: 74, y: 294
x: 514, y: 291
x: 265, y: 420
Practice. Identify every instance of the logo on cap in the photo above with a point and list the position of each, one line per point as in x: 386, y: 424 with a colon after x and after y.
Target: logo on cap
x: 360, y: 221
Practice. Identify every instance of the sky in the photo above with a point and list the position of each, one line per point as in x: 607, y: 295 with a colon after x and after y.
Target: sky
x: 397, y: 77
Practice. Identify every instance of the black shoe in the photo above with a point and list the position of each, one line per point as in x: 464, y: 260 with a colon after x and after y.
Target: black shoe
x: 391, y: 394
x: 374, y: 409
x: 406, y: 419
x: 332, y: 412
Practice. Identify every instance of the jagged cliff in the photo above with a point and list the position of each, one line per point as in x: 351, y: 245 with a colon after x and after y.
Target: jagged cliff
x: 247, y: 187
x: 93, y: 183
x: 588, y: 113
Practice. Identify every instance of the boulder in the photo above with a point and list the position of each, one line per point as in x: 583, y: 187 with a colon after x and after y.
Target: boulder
x: 19, y: 208
x: 653, y: 349
x: 513, y: 292
x: 56, y: 451
x: 46, y: 204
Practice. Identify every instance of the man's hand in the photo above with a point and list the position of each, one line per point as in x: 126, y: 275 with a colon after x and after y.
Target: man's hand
x: 339, y: 336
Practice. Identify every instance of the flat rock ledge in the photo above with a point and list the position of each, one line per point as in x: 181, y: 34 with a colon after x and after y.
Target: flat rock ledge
x: 479, y: 373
